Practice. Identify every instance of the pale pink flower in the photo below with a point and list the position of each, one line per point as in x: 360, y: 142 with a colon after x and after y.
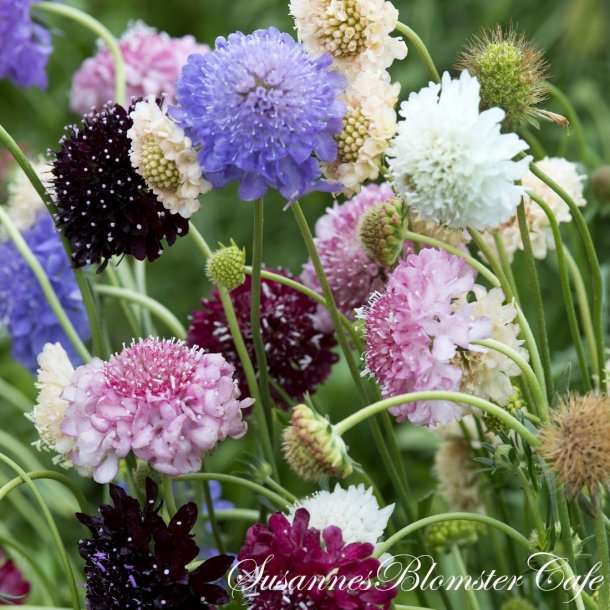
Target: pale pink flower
x: 153, y: 61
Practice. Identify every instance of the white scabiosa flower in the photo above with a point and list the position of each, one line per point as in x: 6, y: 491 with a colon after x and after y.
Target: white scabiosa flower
x: 567, y: 176
x: 450, y: 162
x: 54, y: 375
x: 354, y: 510
x: 163, y: 155
x: 23, y: 201
x: 356, y: 33
x: 368, y: 127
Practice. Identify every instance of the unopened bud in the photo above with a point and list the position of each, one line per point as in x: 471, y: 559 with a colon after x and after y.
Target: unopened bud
x: 381, y: 231
x: 226, y: 266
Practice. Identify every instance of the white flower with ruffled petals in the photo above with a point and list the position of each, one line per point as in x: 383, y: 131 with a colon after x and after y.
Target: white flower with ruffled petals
x: 451, y: 163
x: 163, y: 155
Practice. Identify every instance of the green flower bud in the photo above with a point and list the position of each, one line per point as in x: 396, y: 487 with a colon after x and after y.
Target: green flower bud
x: 600, y: 183
x: 516, y: 402
x: 312, y: 447
x: 381, y: 231
x: 518, y: 604
x: 445, y: 534
x: 226, y: 266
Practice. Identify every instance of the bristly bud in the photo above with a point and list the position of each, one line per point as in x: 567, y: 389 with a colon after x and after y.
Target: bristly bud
x: 312, y: 447
x: 600, y: 183
x: 518, y: 604
x: 226, y: 266
x: 381, y: 231
x: 511, y: 72
x: 444, y: 535
x: 576, y: 442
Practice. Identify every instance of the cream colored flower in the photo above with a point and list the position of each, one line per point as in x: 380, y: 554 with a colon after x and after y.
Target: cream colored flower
x: 163, y: 155
x: 368, y: 127
x: 488, y: 373
x: 23, y: 201
x: 54, y: 374
x: 356, y: 33
x: 431, y: 228
x: 566, y: 174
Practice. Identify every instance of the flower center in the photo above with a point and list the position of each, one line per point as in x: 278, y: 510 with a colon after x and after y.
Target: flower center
x: 341, y: 28
x: 351, y: 139
x: 158, y: 171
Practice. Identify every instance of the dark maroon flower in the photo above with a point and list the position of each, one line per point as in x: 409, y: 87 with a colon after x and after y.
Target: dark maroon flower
x: 299, y: 357
x: 304, y: 568
x: 104, y: 206
x: 13, y: 587
x: 135, y: 560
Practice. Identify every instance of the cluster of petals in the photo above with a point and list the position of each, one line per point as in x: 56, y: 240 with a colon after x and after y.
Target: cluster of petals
x: 415, y: 328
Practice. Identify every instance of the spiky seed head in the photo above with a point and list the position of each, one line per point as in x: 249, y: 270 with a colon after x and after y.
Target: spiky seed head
x: 381, y: 231
x: 226, y: 266
x: 576, y: 443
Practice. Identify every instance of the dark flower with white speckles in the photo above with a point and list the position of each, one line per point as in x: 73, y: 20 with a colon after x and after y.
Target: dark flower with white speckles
x: 104, y: 206
x: 136, y: 561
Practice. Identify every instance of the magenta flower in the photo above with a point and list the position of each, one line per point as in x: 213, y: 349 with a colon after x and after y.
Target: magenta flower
x: 13, y: 587
x: 153, y: 61
x: 415, y: 328
x: 296, y: 553
x: 351, y: 274
x: 166, y: 402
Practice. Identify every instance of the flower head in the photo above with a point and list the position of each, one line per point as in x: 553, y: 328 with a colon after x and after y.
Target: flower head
x: 355, y: 511
x: 381, y: 231
x: 13, y: 587
x: 511, y: 71
x: 226, y: 266
x: 26, y: 46
x: 450, y: 162
x: 368, y: 127
x: 283, y: 118
x: 577, y: 443
x: 153, y: 61
x: 167, y: 403
x: 164, y: 157
x: 104, y: 206
x: 293, y: 553
x: 299, y: 357
x: 136, y: 560
x: 356, y: 33
x: 24, y: 309
x: 415, y: 328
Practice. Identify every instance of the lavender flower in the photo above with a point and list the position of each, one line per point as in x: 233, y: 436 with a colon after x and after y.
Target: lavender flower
x: 25, y: 47
x: 264, y: 112
x: 24, y: 311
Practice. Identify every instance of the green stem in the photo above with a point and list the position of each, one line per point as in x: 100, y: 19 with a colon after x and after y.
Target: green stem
x: 421, y: 48
x: 506, y: 418
x: 596, y: 274
x: 140, y: 277
x: 601, y: 539
x: 468, y: 592
x: 423, y: 523
x: 255, y: 314
x: 127, y: 310
x: 235, y: 514
x: 567, y: 292
x: 281, y: 490
x: 159, y: 310
x: 45, y: 284
x: 534, y: 143
x: 61, y: 549
x: 536, y: 292
x: 533, y: 505
x: 211, y: 516
x: 99, y: 30
x: 505, y: 264
x: 228, y: 478
x: 15, y: 396
x: 168, y: 495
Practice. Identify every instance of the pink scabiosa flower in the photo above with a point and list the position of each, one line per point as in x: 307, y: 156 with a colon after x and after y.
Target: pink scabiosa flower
x: 13, y: 587
x: 305, y: 568
x: 166, y: 402
x: 153, y: 61
x: 352, y: 275
x: 415, y: 328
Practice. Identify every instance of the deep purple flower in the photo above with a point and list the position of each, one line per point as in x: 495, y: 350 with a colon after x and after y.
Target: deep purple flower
x: 135, y: 560
x: 104, y: 206
x: 24, y: 309
x: 264, y: 112
x: 25, y: 46
x: 13, y: 587
x: 292, y: 550
x: 299, y: 357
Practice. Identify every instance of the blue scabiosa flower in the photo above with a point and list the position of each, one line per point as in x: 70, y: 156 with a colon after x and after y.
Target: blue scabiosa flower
x: 26, y: 46
x: 264, y: 112
x: 24, y: 310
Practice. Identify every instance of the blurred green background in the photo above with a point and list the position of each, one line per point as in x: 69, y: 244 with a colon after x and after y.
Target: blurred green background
x: 573, y: 35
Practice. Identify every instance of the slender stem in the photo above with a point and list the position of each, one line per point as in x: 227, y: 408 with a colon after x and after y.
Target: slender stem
x: 534, y: 143
x: 281, y: 490
x: 235, y: 514
x: 505, y: 264
x: 211, y: 516
x: 159, y: 310
x: 99, y: 30
x: 601, y: 539
x: 15, y: 396
x: 566, y: 527
x: 536, y: 293
x: 45, y: 284
x: 468, y: 592
x: 567, y: 292
x: 532, y: 503
x: 423, y: 523
x: 168, y: 495
x: 421, y: 48
x: 255, y: 314
x: 228, y: 478
x: 596, y: 274
x: 127, y: 309
x: 140, y: 277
